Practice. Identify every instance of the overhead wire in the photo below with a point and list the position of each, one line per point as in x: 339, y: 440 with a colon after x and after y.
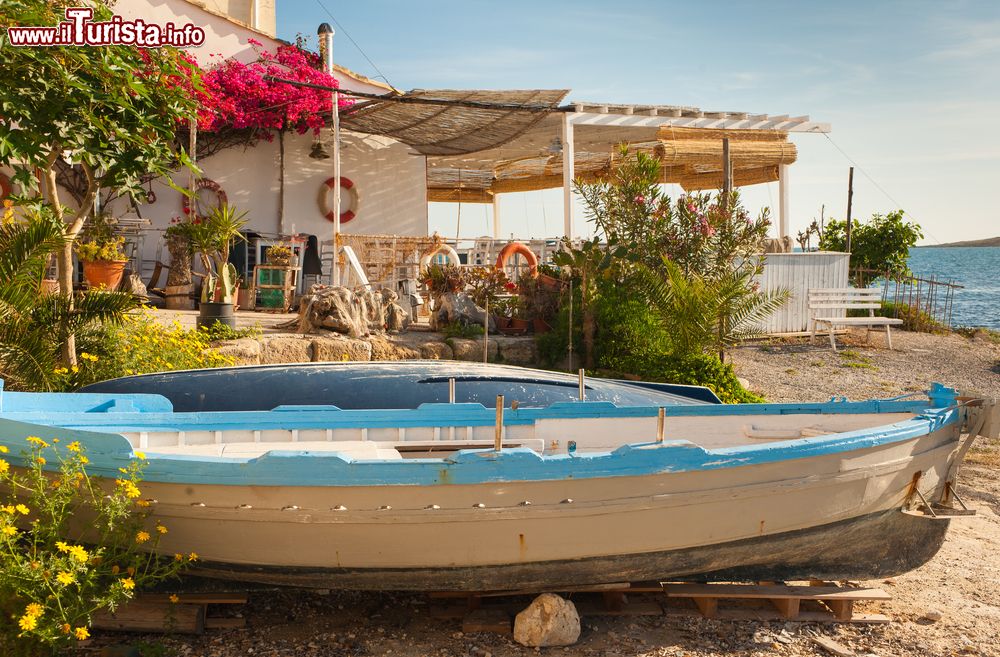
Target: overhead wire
x: 879, y: 187
x: 360, y: 49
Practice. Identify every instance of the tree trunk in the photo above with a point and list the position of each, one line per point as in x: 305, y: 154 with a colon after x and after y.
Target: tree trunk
x: 64, y: 267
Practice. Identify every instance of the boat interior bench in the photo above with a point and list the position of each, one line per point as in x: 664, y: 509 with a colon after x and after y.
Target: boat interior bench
x: 823, y: 302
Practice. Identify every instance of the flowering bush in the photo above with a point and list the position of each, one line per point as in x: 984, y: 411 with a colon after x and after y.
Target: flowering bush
x: 70, y: 545
x: 237, y: 95
x: 139, y: 346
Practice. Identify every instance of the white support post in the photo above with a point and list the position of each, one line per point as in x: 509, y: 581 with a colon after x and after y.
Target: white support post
x: 496, y: 216
x: 568, y: 168
x: 782, y: 200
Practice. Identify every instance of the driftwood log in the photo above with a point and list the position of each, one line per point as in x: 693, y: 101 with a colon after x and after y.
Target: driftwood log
x: 355, y: 314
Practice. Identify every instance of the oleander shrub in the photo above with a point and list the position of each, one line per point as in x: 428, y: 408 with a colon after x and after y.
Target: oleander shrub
x: 70, y: 545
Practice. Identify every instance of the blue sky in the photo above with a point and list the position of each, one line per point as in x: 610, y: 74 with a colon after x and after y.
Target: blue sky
x: 912, y: 88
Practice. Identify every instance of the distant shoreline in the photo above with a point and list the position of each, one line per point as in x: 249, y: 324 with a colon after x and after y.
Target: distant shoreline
x: 989, y: 241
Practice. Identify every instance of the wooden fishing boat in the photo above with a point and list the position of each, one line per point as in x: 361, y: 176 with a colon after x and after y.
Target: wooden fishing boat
x: 455, y: 496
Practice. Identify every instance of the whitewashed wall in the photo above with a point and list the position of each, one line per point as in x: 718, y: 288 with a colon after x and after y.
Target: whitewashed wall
x: 798, y: 272
x: 389, y: 178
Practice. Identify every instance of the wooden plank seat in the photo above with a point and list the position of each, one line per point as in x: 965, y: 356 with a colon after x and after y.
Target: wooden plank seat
x: 823, y: 301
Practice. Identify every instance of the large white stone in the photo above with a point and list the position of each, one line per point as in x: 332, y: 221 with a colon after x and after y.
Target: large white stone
x: 548, y: 621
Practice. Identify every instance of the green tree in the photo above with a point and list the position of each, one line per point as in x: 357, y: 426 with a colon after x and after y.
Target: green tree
x: 33, y: 327
x: 881, y: 244
x: 108, y: 113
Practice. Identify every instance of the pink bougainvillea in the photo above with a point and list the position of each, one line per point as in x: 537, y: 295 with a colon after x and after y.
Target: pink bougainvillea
x: 236, y: 95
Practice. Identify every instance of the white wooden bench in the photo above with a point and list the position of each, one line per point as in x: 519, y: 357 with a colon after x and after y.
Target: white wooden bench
x: 823, y: 301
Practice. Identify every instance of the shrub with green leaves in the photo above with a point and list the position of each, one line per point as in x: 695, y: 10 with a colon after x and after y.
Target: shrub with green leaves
x: 700, y: 370
x: 70, y: 545
x: 139, y: 346
x: 881, y: 244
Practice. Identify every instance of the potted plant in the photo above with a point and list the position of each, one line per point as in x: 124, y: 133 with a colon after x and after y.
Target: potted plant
x: 179, y: 289
x: 442, y: 279
x: 519, y: 322
x: 102, y: 254
x: 550, y: 276
x: 211, y: 237
x: 279, y: 255
x: 541, y: 302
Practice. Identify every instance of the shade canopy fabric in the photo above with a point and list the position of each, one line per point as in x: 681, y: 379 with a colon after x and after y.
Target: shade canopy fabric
x: 480, y: 143
x: 454, y: 122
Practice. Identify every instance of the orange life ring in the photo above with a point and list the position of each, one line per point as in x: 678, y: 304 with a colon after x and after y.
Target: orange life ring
x: 211, y: 185
x: 345, y: 183
x: 517, y: 247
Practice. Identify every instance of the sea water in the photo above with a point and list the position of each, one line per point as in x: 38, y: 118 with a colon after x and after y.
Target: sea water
x: 977, y: 268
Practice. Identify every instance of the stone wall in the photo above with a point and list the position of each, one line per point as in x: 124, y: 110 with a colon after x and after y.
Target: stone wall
x: 290, y: 348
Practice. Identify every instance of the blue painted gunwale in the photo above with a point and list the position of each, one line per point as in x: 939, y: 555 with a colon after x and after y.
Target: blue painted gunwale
x: 96, y: 429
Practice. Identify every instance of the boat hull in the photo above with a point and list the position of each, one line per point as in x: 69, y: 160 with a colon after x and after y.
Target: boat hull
x: 878, y: 545
x: 835, y: 516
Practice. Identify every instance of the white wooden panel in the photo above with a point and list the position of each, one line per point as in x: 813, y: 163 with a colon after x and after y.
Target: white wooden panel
x: 798, y: 273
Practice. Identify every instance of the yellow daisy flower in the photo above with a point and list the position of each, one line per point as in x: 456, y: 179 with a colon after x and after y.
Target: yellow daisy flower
x: 141, y: 537
x: 81, y: 633
x: 128, y: 584
x: 27, y: 623
x: 65, y: 578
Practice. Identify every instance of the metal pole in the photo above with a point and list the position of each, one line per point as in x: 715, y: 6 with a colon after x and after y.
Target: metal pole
x: 326, y: 40
x: 451, y: 390
x: 661, y: 421
x: 727, y: 175
x: 498, y: 436
x: 583, y: 393
x: 569, y: 367
x: 486, y: 332
x: 850, y: 197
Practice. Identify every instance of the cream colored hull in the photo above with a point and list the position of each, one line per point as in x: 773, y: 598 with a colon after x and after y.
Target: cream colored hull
x: 542, y: 533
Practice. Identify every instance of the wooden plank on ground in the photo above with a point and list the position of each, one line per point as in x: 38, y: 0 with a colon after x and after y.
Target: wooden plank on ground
x: 487, y: 620
x: 750, y: 592
x: 832, y: 646
x: 153, y: 616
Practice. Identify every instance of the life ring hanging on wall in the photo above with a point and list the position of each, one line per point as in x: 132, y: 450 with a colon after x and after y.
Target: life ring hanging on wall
x: 324, y: 203
x: 446, y: 249
x: 210, y: 185
x: 507, y: 252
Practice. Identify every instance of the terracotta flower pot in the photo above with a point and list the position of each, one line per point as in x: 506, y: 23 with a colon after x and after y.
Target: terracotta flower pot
x: 519, y: 324
x: 104, y: 274
x: 540, y: 325
x: 550, y: 282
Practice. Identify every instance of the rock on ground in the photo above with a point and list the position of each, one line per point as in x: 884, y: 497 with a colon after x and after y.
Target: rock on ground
x: 385, y: 349
x: 244, y: 351
x: 517, y: 351
x: 286, y: 350
x: 472, y: 350
x: 341, y: 348
x: 548, y: 621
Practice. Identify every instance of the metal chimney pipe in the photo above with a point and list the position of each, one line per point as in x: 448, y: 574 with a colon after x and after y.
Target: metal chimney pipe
x: 325, y: 33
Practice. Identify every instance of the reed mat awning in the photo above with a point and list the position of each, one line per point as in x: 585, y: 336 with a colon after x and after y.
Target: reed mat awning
x: 454, y: 122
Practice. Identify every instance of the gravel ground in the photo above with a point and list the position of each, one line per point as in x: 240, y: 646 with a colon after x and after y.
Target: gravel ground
x: 793, y: 370
x: 960, y: 587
